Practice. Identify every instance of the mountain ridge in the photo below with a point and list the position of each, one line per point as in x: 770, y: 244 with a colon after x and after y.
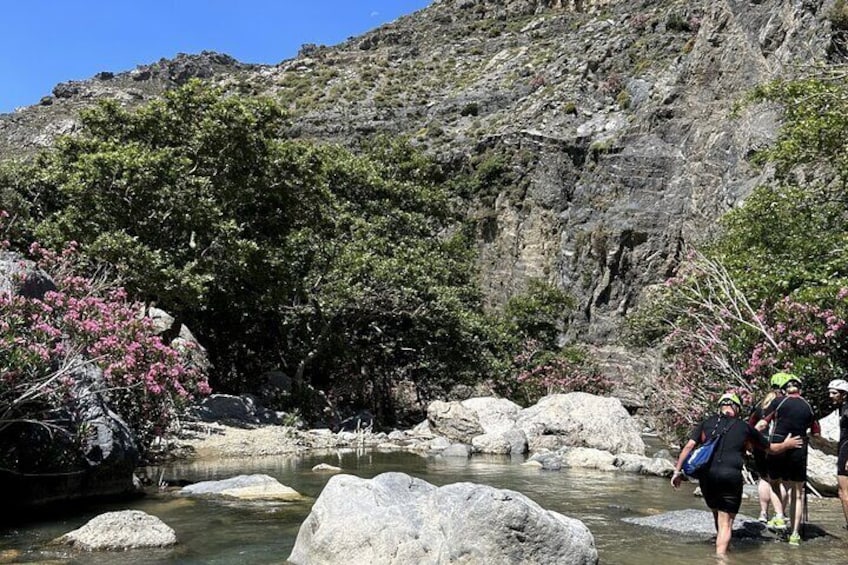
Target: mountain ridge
x: 609, y: 125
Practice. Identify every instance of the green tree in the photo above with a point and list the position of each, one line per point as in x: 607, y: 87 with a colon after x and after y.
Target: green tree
x: 342, y: 269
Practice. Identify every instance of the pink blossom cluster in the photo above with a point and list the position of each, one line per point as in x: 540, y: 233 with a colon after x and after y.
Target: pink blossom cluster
x: 538, y: 372
x: 708, y: 358
x: 89, y: 318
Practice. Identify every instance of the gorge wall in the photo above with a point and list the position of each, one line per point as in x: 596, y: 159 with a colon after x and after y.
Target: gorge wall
x: 608, y: 128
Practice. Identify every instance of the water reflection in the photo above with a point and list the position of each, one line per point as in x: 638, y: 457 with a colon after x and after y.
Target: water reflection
x: 245, y: 533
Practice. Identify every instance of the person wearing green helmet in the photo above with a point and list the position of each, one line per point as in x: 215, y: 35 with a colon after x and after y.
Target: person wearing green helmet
x: 721, y: 483
x: 790, y: 415
x: 766, y: 493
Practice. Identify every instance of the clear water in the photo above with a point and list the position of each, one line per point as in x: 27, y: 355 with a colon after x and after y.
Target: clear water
x: 247, y: 533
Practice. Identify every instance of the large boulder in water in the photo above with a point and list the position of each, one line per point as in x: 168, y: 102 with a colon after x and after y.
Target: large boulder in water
x: 244, y: 487
x: 486, y: 422
x: 397, y: 519
x: 118, y: 531
x: 580, y: 419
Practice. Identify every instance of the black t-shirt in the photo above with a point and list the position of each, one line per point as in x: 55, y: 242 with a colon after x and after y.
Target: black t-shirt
x: 727, y: 456
x: 792, y: 415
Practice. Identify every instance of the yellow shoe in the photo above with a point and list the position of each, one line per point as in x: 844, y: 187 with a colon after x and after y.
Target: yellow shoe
x: 776, y: 523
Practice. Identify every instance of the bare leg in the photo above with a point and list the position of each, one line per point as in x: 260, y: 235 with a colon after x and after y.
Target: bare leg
x: 765, y: 494
x: 724, y: 526
x: 797, y: 499
x: 843, y: 495
x: 779, y: 498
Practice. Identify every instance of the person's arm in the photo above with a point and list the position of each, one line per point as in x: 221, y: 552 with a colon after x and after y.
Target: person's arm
x: 677, y: 477
x: 769, y: 413
x: 791, y: 442
x: 763, y: 424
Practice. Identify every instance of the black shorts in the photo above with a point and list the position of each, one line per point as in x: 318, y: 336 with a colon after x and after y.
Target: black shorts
x: 722, y: 493
x: 790, y: 465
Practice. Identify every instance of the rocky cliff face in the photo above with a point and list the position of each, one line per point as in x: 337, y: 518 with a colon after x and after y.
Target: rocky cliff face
x: 606, y: 126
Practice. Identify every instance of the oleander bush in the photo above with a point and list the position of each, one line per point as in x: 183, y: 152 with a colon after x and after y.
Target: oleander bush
x: 88, y: 319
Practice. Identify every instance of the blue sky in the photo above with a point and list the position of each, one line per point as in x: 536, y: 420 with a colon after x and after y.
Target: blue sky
x: 44, y: 42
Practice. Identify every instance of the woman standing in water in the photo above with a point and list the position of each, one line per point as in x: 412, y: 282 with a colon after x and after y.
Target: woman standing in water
x: 721, y: 484
x: 764, y: 491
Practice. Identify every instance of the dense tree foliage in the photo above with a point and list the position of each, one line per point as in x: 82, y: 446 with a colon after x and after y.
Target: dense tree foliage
x: 347, y: 271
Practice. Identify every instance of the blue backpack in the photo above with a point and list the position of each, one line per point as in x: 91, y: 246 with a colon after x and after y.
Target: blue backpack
x: 698, y: 461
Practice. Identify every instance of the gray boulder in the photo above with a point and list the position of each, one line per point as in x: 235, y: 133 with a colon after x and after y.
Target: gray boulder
x: 460, y: 450
x: 506, y: 442
x: 700, y: 524
x: 109, y: 441
x: 118, y: 531
x: 548, y: 461
x: 639, y: 464
x: 438, y: 444
x: 21, y: 277
x: 493, y: 414
x: 454, y: 420
x: 237, y: 410
x: 830, y: 427
x: 178, y: 336
x: 821, y: 471
x: 581, y: 420
x: 397, y: 519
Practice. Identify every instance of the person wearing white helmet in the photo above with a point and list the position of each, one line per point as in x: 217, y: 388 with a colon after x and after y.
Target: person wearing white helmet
x: 837, y: 390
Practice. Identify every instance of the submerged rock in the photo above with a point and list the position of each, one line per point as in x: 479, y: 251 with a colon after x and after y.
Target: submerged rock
x: 699, y: 523
x: 245, y: 487
x: 326, y: 468
x: 398, y: 519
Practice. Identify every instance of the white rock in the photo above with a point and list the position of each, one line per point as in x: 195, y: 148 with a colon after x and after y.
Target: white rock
x: 127, y: 529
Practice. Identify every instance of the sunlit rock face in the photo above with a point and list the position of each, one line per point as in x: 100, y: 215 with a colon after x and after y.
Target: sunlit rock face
x: 611, y: 123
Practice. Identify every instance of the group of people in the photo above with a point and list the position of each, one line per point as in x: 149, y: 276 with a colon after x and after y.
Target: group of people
x: 777, y: 433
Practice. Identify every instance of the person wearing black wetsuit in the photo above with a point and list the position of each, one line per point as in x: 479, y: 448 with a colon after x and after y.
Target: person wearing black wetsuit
x: 838, y: 391
x: 721, y: 485
x: 764, y: 490
x: 791, y: 414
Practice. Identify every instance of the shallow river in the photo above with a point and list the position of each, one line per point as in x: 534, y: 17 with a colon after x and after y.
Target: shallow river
x: 247, y: 533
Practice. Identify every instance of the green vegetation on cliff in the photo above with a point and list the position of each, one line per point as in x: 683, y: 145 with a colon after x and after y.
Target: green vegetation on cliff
x: 347, y: 271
